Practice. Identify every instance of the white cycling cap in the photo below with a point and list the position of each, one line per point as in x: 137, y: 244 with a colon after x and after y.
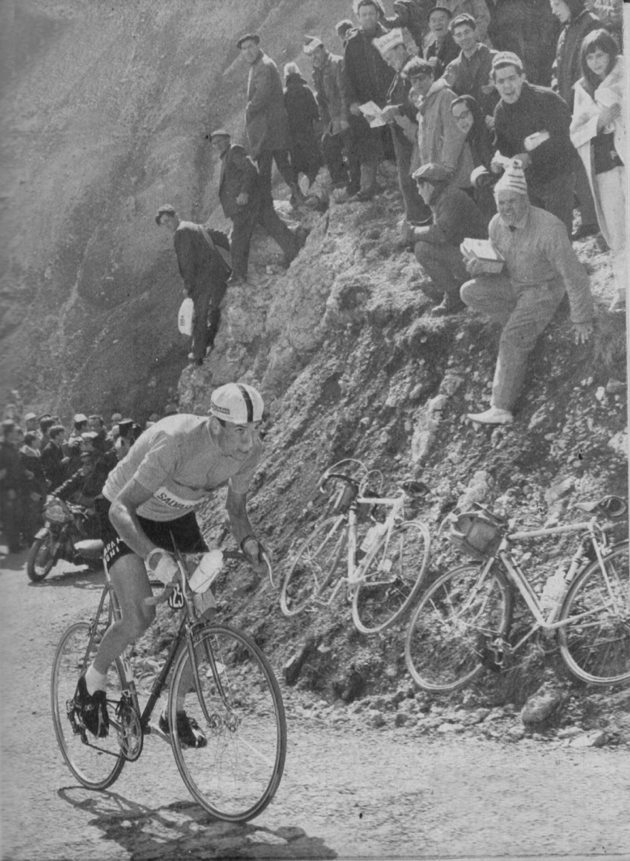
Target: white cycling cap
x: 237, y: 403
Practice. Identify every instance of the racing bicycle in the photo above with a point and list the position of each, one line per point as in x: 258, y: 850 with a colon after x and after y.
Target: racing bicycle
x: 235, y: 700
x: 462, y: 622
x: 384, y: 555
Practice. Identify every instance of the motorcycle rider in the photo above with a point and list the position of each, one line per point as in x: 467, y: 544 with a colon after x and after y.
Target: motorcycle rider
x: 147, y: 510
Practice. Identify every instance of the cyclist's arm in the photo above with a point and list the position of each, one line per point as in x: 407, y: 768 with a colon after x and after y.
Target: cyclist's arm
x: 122, y: 514
x: 236, y: 507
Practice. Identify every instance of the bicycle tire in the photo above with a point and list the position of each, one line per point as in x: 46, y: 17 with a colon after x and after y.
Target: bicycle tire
x: 95, y: 762
x: 314, y: 565
x: 235, y: 776
x: 596, y: 646
x: 40, y: 559
x: 392, y: 578
x: 449, y: 632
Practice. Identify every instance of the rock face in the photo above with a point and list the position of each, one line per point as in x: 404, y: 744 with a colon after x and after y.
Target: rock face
x: 105, y: 111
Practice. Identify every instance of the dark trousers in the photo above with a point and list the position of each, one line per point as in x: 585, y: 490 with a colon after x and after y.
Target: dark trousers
x: 10, y: 505
x: 415, y: 207
x: 243, y: 223
x: 556, y: 196
x: 342, y: 160
x: 206, y: 301
x: 265, y: 163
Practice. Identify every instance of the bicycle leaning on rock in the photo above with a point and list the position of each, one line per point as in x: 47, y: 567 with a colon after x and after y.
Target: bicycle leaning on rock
x: 462, y: 622
x: 234, y: 698
x: 385, y: 556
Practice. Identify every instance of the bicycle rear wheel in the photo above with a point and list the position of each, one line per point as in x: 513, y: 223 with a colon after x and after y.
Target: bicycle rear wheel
x: 239, y: 709
x: 95, y: 762
x: 455, y: 621
x: 313, y: 567
x: 393, y: 577
x: 596, y: 643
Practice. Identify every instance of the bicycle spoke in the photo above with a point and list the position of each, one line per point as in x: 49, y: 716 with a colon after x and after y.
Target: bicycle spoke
x: 392, y: 577
x: 596, y: 641
x: 239, y: 709
x: 453, y: 625
x: 313, y: 569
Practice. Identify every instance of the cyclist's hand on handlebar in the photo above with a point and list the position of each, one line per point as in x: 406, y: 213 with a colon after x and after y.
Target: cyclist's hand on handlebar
x: 162, y: 565
x: 255, y: 554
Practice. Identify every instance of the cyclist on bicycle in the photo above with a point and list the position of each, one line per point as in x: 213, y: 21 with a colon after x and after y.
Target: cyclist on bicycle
x: 147, y: 509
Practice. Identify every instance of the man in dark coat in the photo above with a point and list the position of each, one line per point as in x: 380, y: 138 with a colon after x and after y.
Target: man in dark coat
x: 11, y: 480
x: 304, y: 124
x: 266, y: 118
x: 400, y: 115
x: 245, y: 204
x: 54, y: 462
x: 442, y: 48
x: 204, y: 272
x: 577, y: 22
x: 368, y: 78
x: 532, y: 124
x: 455, y: 217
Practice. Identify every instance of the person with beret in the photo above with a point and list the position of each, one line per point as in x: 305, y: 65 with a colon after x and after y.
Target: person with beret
x: 532, y: 124
x: 436, y: 246
x: 204, y: 272
x: 266, y: 119
x: 246, y: 204
x: 540, y: 267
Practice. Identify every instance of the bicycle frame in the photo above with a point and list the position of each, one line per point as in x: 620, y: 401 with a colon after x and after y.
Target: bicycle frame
x: 355, y: 570
x: 189, y: 626
x: 545, y: 621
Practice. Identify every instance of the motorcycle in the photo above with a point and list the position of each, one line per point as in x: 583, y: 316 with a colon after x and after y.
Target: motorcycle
x: 65, y: 535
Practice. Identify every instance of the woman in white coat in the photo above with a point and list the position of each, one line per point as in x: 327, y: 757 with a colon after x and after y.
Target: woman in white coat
x: 598, y: 132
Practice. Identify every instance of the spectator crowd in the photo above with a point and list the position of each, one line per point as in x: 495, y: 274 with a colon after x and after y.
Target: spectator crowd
x: 504, y: 118
x: 40, y: 456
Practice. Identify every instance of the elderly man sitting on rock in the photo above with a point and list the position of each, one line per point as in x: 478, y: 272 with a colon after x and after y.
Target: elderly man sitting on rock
x: 540, y: 264
x: 455, y: 217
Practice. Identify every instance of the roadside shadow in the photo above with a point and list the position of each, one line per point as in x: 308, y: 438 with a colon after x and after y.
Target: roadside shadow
x: 184, y: 830
x: 13, y: 561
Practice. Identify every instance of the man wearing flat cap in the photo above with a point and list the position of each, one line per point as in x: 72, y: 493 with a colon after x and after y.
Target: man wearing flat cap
x: 245, y: 204
x: 204, y: 272
x: 540, y: 266
x: 266, y: 119
x: 436, y: 246
x: 532, y: 124
x: 329, y: 82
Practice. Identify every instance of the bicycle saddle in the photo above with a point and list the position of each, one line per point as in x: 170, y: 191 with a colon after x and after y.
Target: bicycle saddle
x: 611, y: 506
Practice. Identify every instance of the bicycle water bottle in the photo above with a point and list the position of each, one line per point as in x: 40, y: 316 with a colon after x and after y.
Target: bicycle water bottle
x: 372, y: 536
x: 553, y: 593
x: 207, y: 571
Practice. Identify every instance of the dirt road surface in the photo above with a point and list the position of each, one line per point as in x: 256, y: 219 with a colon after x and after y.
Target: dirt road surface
x: 346, y: 792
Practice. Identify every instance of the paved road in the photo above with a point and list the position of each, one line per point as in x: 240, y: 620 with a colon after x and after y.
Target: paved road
x: 347, y: 792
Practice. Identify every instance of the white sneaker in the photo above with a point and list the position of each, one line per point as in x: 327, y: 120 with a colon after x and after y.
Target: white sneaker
x: 493, y: 416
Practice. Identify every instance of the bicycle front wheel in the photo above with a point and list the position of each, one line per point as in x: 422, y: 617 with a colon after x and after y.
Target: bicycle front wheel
x: 392, y: 578
x: 457, y: 619
x: 595, y: 643
x: 315, y: 564
x: 239, y: 709
x: 95, y: 762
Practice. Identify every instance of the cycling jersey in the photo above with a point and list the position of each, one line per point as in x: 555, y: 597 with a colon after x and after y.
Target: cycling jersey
x: 180, y: 464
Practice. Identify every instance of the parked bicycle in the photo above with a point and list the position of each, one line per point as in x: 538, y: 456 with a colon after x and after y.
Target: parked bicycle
x: 235, y: 700
x: 385, y: 556
x: 463, y: 619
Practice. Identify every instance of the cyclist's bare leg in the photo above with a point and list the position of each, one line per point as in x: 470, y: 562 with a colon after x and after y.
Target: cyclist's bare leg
x: 131, y: 584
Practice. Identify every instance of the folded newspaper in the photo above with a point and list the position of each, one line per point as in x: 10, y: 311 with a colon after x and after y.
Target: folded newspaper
x: 373, y: 114
x: 483, y: 251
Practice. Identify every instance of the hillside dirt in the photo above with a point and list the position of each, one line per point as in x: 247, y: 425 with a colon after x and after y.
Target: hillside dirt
x: 351, y: 789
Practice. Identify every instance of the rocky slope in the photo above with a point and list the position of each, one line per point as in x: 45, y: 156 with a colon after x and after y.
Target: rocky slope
x: 107, y: 111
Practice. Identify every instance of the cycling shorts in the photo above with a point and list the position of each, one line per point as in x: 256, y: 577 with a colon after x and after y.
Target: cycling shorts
x: 183, y: 532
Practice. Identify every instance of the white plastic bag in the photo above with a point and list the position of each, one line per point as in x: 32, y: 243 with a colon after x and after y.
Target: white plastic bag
x: 185, y: 316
